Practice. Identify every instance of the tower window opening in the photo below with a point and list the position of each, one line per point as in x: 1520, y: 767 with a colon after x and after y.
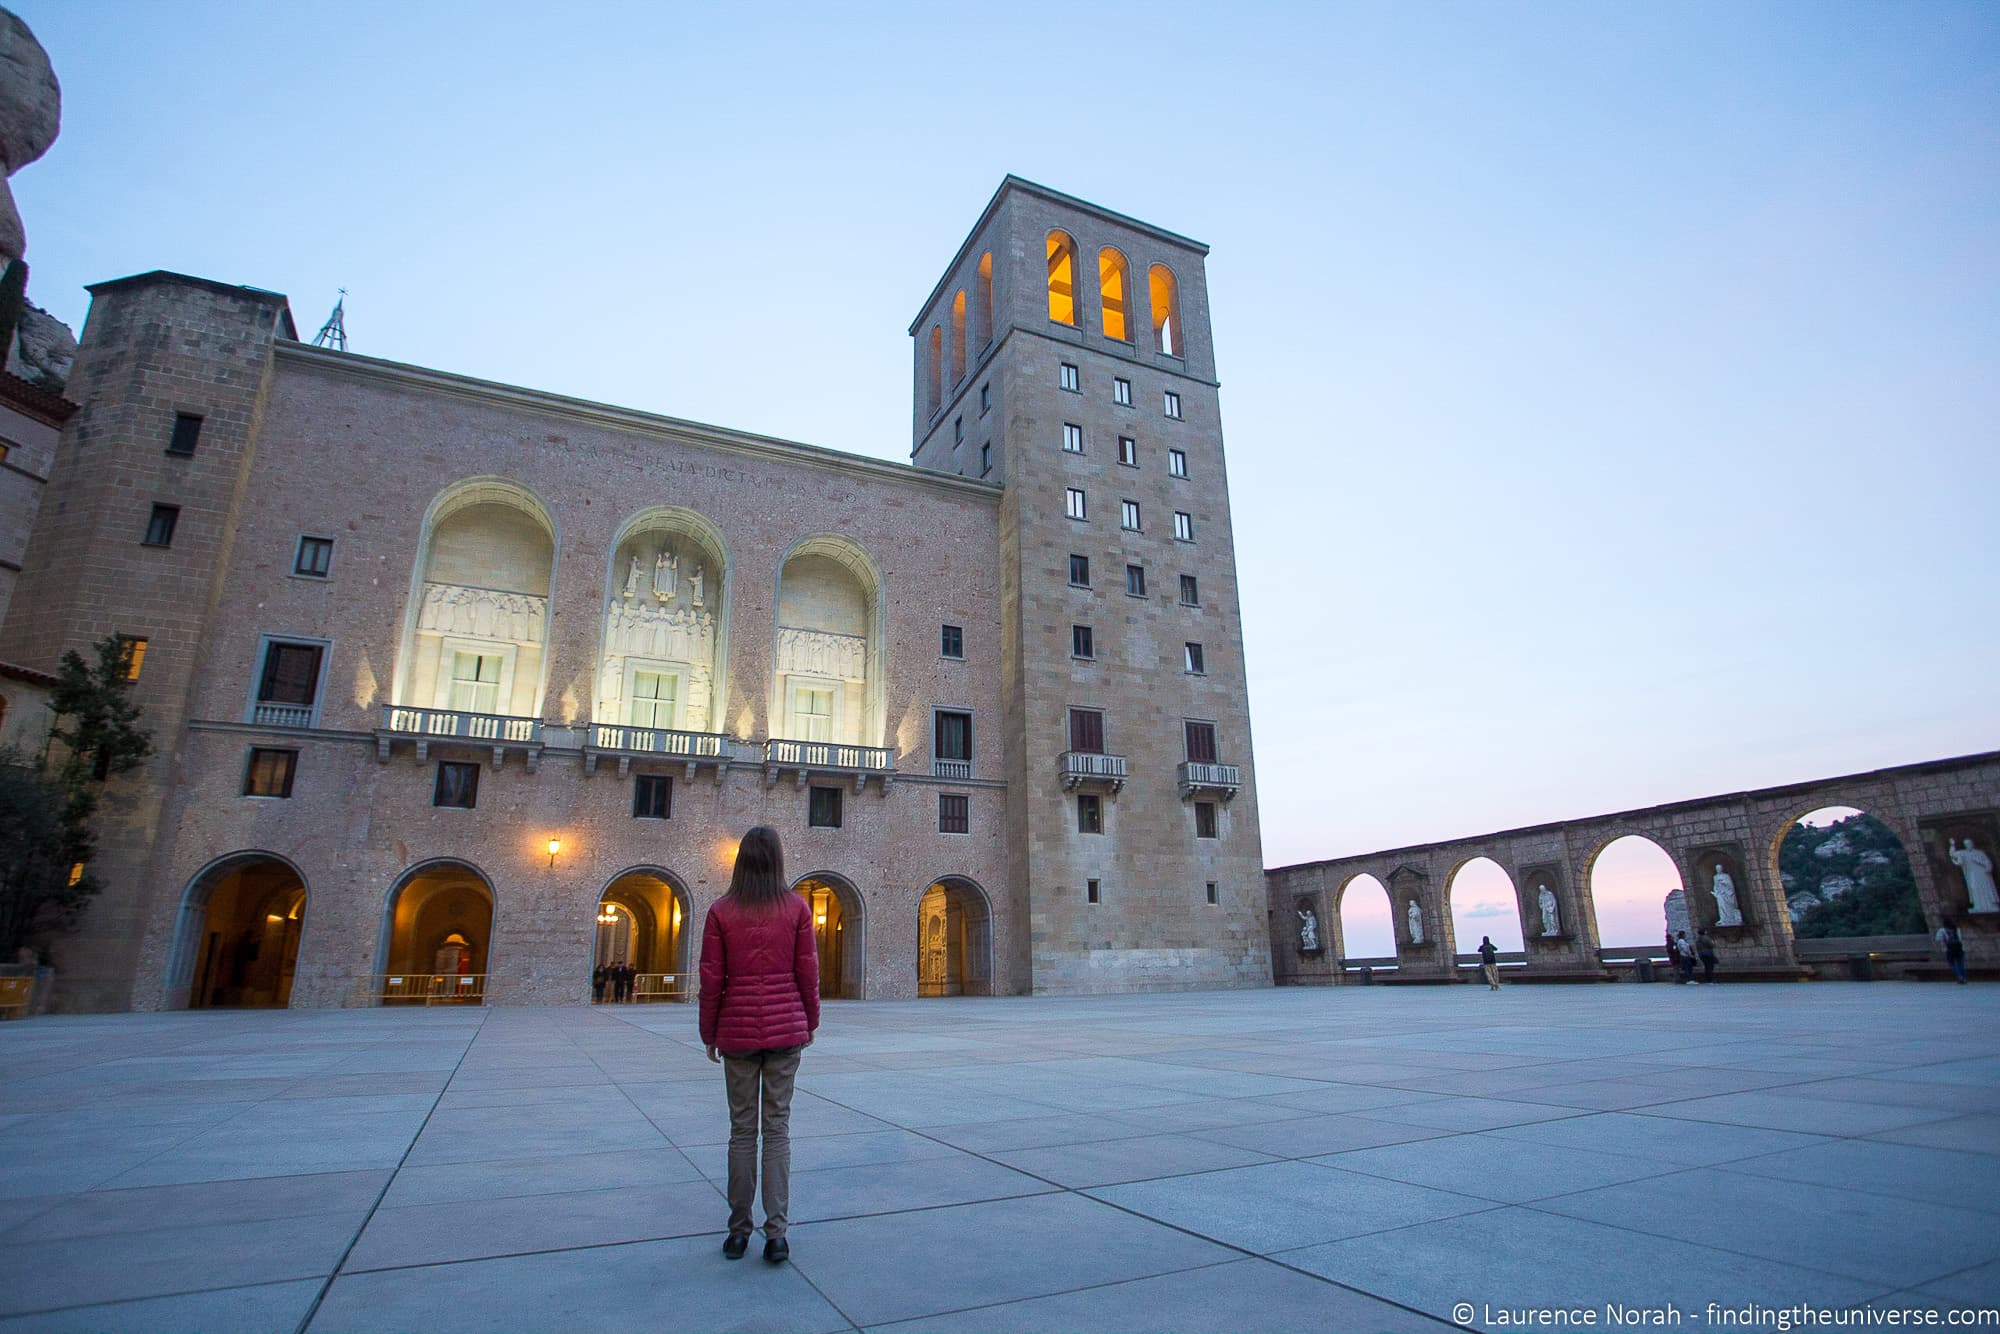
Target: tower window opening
x: 958, y: 336
x: 982, y: 305
x: 1166, y: 293
x: 1062, y: 278
x: 934, y: 382
x: 1114, y: 294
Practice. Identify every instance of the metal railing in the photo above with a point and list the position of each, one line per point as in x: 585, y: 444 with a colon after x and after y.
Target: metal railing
x: 453, y: 725
x: 422, y: 989
x: 951, y: 768
x: 1225, y: 777
x: 659, y: 741
x: 281, y: 715
x: 828, y: 755
x: 654, y: 987
x: 1078, y: 765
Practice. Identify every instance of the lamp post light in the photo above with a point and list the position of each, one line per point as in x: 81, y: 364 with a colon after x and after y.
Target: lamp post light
x: 555, y: 846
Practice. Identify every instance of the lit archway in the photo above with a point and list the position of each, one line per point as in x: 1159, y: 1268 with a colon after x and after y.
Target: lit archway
x: 1362, y: 905
x: 643, y: 920
x: 827, y: 671
x: 437, y: 934
x: 236, y: 944
x: 1481, y: 902
x: 1845, y: 873
x: 839, y: 930
x: 1628, y: 886
x: 954, y: 940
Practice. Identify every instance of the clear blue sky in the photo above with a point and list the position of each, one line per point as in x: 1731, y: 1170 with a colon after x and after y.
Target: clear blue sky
x: 1611, y: 391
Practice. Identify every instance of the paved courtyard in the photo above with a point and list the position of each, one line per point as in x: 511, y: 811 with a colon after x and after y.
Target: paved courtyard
x: 1365, y: 1158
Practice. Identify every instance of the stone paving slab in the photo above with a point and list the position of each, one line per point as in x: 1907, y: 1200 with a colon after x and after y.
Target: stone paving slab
x: 1361, y: 1158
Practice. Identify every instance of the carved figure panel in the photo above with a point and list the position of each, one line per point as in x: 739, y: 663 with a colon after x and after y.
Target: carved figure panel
x: 818, y: 653
x: 482, y: 613
x: 659, y: 630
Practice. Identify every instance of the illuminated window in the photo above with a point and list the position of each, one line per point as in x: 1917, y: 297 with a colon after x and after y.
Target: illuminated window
x: 1191, y: 655
x: 1204, y: 823
x: 160, y: 527
x: 653, y: 696
x: 1172, y: 405
x: 1121, y: 392
x: 1183, y: 526
x: 1090, y: 891
x: 1082, y: 643
x: 1114, y: 293
x: 269, y: 772
x: 1190, y: 591
x: 1135, y: 580
x: 1062, y: 278
x: 812, y: 713
x: 132, y: 652
x: 954, y: 815
x: 187, y: 433
x: 935, y: 380
x: 1079, y: 571
x: 1128, y: 451
x: 823, y: 808
x: 1166, y: 310
x: 475, y: 682
x: 1073, y: 499
x: 1128, y: 515
x: 457, y: 785
x: 1067, y: 377
x: 76, y: 873
x: 314, y: 557
x: 1089, y: 813
x: 1072, y: 438
x: 653, y: 797
x: 958, y: 336
x: 982, y: 305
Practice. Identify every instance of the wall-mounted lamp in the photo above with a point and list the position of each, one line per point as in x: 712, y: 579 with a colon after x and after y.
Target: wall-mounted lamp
x: 555, y: 846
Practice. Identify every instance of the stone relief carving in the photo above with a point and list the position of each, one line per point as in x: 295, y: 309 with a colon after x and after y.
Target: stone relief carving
x: 667, y: 576
x: 1308, y: 929
x: 1723, y: 886
x: 1977, y: 868
x: 1545, y: 899
x: 632, y: 578
x: 818, y: 653
x: 656, y: 631
x: 482, y: 613
x: 1414, y: 916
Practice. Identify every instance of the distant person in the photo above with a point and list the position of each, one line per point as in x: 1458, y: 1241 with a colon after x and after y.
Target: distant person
x: 1489, y: 962
x: 1953, y: 945
x: 598, y: 977
x: 759, y: 1007
x: 1704, y: 947
x: 1683, y: 956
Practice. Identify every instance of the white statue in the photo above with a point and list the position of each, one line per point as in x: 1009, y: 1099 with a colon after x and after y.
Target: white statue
x: 632, y: 578
x: 1308, y: 929
x: 666, y: 575
x: 1977, y: 868
x: 1724, y: 889
x: 694, y: 586
x: 1551, y: 921
x: 1415, y: 917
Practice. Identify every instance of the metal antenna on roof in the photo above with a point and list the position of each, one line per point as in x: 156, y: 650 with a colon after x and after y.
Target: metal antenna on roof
x: 333, y: 334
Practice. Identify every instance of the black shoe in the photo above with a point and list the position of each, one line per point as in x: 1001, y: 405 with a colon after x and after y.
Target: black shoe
x: 734, y: 1246
x: 777, y: 1250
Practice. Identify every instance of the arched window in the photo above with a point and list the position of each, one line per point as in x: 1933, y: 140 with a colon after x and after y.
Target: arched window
x: 958, y: 336
x: 1166, y: 310
x: 935, y: 381
x: 982, y: 303
x: 1062, y: 278
x: 1114, y: 294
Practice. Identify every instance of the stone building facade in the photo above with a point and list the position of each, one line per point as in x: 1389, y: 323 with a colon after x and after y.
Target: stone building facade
x: 458, y: 689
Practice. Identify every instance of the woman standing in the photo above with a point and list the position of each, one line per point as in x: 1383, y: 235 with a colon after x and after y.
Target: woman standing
x: 759, y: 1007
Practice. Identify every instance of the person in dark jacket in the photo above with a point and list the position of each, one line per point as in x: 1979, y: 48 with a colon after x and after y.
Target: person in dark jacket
x: 1489, y: 962
x: 759, y: 1007
x: 1953, y: 944
x: 597, y: 978
x: 1704, y: 946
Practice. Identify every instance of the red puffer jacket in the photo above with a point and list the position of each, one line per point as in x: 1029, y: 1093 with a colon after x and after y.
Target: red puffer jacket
x: 759, y: 976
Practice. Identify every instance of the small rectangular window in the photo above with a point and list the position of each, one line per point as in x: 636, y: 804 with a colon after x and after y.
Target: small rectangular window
x: 1200, y: 741
x: 653, y: 797
x: 985, y: 458
x: 160, y: 527
x: 1089, y: 813
x: 954, y: 813
x: 1177, y: 463
x: 457, y: 785
x: 1086, y: 731
x: 1070, y: 380
x: 314, y: 558
x: 1211, y: 891
x: 1190, y: 592
x: 187, y: 433
x: 823, y: 808
x: 1073, y: 499
x: 1072, y: 438
x: 1204, y: 819
x: 1183, y: 526
x: 1090, y: 891
x: 1128, y: 451
x: 1079, y: 571
x: 1135, y: 580
x: 957, y: 431
x: 132, y: 652
x: 1121, y: 392
x: 290, y: 675
x: 985, y: 398
x: 951, y: 737
x: 1192, y: 655
x: 1128, y: 515
x: 1173, y: 405
x: 1081, y: 642
x: 269, y: 772
x: 951, y: 642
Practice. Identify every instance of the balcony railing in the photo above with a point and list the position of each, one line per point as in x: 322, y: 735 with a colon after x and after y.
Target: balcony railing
x: 281, y: 715
x: 1082, y: 766
x: 1218, y: 778
x: 806, y: 758
x: 628, y: 743
x: 951, y: 768
x: 403, y: 722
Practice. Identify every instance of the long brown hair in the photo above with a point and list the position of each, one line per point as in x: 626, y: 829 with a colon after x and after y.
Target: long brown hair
x: 758, y: 881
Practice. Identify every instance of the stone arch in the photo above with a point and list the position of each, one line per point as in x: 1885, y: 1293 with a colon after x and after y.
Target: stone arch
x: 1616, y: 895
x: 480, y: 588
x: 438, y: 920
x: 1375, y: 919
x: 954, y: 938
x: 1901, y: 858
x: 665, y: 637
x: 244, y: 954
x: 832, y: 624
x: 1495, y: 890
x: 658, y: 942
x: 840, y: 926
x: 1114, y: 294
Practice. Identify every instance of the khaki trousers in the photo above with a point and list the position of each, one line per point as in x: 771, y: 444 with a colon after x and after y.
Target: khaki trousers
x: 760, y: 1082
x: 1492, y: 971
